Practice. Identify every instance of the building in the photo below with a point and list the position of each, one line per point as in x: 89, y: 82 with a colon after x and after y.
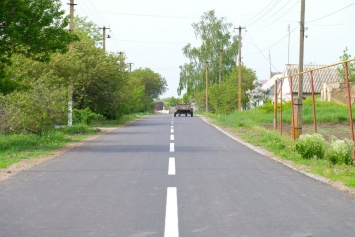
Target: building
x: 320, y: 77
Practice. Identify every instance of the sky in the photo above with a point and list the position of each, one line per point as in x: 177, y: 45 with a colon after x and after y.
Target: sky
x: 152, y: 33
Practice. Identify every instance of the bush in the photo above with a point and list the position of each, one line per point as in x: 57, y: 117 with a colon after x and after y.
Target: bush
x: 340, y: 152
x: 311, y: 146
x: 34, y: 111
x: 86, y: 116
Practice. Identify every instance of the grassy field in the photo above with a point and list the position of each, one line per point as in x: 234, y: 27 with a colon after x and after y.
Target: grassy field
x: 256, y: 127
x: 16, y: 147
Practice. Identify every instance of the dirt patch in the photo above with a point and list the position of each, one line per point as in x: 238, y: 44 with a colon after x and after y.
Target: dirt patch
x: 340, y: 131
x: 33, y: 161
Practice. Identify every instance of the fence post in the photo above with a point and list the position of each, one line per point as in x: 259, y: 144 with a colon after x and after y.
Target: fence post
x: 313, y: 103
x: 275, y: 105
x: 281, y: 82
x: 349, y: 105
x: 293, y: 111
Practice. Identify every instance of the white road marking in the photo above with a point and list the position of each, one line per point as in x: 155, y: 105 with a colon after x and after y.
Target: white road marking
x: 172, y: 147
x: 171, y: 215
x: 171, y: 170
x: 172, y: 130
x: 172, y: 137
x: 172, y: 126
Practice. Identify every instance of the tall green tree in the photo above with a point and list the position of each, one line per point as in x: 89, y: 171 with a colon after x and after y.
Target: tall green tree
x: 215, y: 37
x: 154, y: 85
x: 224, y: 98
x: 32, y: 28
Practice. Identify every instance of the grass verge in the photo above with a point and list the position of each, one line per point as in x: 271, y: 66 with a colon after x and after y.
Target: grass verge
x: 17, y: 147
x: 250, y: 126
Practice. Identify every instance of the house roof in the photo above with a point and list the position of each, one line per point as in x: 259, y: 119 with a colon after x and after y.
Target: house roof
x: 320, y: 77
x: 270, y: 83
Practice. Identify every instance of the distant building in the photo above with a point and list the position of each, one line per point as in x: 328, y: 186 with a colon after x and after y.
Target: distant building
x: 320, y: 77
x: 159, y: 106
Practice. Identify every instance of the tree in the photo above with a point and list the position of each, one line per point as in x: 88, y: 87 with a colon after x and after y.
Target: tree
x: 224, y: 98
x: 351, y: 66
x: 257, y: 94
x: 214, y: 36
x: 32, y: 28
x: 88, y: 29
x: 154, y: 85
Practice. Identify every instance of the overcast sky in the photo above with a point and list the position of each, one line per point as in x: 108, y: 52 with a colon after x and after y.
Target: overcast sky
x: 153, y: 32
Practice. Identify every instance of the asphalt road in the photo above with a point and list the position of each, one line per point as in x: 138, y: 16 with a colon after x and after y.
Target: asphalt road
x: 166, y: 176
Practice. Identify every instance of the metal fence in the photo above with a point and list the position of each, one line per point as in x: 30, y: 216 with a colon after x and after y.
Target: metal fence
x: 314, y: 77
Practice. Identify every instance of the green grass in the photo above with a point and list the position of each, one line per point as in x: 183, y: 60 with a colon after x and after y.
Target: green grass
x: 16, y: 147
x: 250, y: 126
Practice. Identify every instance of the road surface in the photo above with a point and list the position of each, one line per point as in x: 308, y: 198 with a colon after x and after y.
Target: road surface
x: 166, y: 176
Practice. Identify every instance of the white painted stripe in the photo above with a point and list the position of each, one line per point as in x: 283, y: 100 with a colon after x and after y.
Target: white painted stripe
x: 171, y: 215
x: 172, y: 130
x: 171, y: 170
x: 172, y: 126
x: 172, y: 147
x: 172, y: 137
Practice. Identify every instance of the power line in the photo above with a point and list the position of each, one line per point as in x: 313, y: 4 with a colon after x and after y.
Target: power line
x: 268, y: 11
x: 331, y: 13
x: 262, y: 53
x: 147, y: 42
x: 260, y: 12
x: 147, y: 15
x: 104, y: 21
x: 269, y: 47
x: 283, y: 14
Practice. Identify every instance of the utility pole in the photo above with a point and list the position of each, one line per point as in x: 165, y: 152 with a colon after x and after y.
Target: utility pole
x: 220, y: 66
x: 288, y: 50
x: 104, y: 37
x: 270, y: 63
x: 130, y: 67
x: 297, y: 130
x: 70, y: 82
x: 206, y: 86
x: 240, y: 68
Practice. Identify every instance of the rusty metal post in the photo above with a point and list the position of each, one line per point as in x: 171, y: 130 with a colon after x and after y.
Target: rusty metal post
x: 313, y: 103
x: 293, y: 110
x: 349, y: 105
x: 281, y: 82
x: 275, y: 105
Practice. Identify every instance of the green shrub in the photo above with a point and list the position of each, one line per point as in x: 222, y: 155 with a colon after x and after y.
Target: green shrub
x: 86, y: 116
x: 340, y: 152
x: 311, y: 146
x: 33, y: 111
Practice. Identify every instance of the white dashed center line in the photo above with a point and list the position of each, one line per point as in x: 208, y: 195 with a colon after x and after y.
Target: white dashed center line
x: 172, y: 147
x: 171, y: 215
x: 171, y: 170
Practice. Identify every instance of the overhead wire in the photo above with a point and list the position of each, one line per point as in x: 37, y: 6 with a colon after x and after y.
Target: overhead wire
x: 268, y: 11
x: 283, y: 14
x: 260, y: 12
x: 269, y: 47
x: 331, y: 13
x: 147, y: 15
x: 261, y: 52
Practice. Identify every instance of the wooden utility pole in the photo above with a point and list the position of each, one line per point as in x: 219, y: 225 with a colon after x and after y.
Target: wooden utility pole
x: 104, y: 37
x: 70, y: 82
x: 270, y: 63
x: 206, y: 86
x: 130, y: 67
x: 240, y: 68
x: 297, y: 103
